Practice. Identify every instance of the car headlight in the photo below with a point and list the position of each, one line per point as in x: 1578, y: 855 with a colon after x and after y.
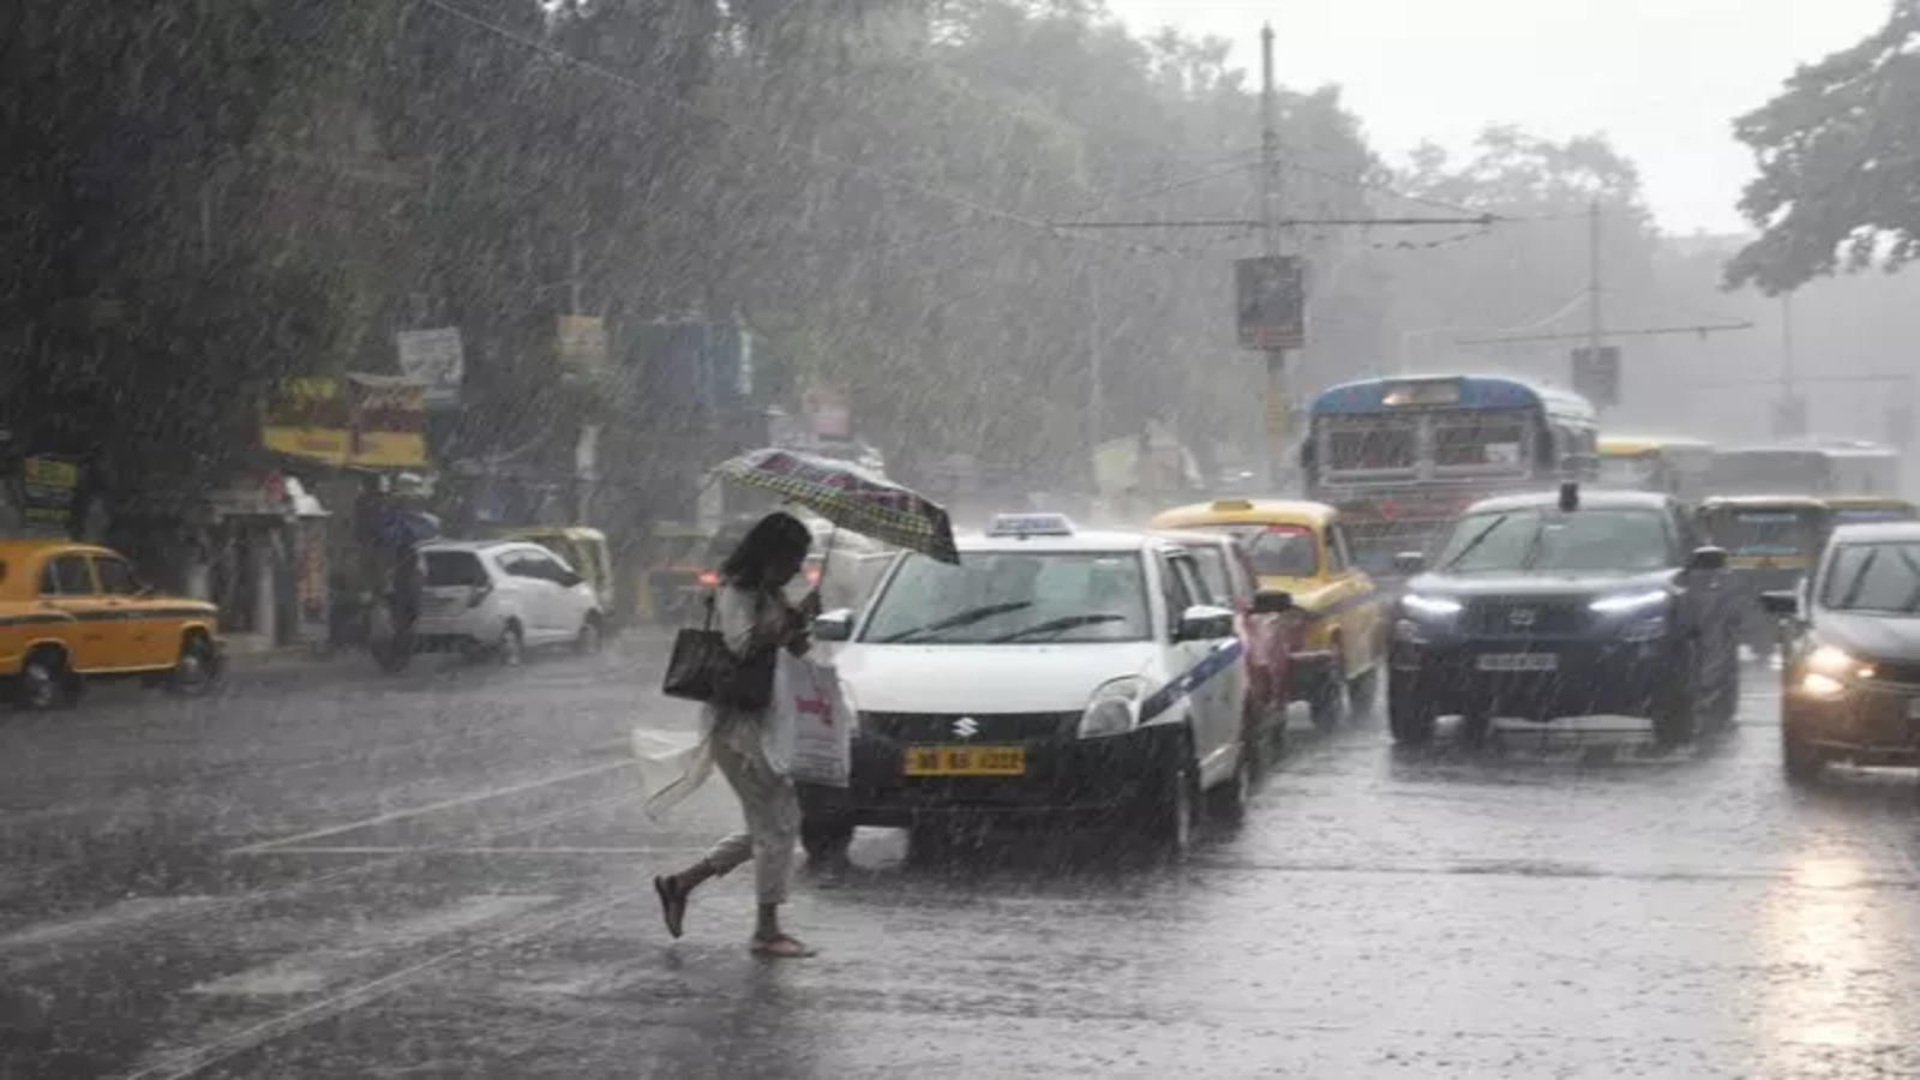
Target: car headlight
x: 1432, y: 607
x: 1114, y: 708
x: 1821, y: 685
x: 1627, y: 603
x: 1409, y: 631
x: 1828, y: 670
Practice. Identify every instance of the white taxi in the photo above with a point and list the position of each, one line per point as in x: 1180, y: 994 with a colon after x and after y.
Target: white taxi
x: 1052, y: 674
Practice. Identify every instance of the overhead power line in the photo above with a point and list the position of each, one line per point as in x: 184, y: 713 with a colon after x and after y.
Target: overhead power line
x: 1243, y: 223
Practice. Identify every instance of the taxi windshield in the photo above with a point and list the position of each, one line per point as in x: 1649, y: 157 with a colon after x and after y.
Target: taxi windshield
x: 1275, y: 550
x: 1882, y: 578
x: 1552, y: 541
x: 1013, y: 597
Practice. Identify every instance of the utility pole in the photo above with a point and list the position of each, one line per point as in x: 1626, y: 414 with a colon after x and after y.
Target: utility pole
x: 1786, y: 342
x: 1096, y: 367
x: 1593, y: 281
x: 1276, y: 404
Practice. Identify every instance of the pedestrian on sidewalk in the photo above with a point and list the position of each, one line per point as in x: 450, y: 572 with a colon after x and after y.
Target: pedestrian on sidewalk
x: 753, y: 615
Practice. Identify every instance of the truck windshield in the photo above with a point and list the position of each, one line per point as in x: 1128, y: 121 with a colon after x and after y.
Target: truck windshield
x: 1550, y: 541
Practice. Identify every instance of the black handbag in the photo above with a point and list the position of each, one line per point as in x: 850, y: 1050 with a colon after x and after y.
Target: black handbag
x: 702, y: 668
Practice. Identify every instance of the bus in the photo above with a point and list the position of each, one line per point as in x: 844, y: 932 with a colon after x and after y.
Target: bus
x: 1673, y: 465
x: 1836, y: 467
x: 1401, y: 456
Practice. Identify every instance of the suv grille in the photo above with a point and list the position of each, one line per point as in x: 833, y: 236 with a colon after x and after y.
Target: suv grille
x: 992, y: 727
x: 1552, y: 617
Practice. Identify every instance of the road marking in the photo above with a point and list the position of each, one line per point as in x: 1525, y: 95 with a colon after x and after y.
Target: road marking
x: 316, y: 969
x: 431, y: 808
x: 195, y: 1059
x: 433, y: 850
x: 133, y: 911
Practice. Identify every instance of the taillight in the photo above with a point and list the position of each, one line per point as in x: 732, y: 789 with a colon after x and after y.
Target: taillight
x: 479, y: 594
x: 708, y: 579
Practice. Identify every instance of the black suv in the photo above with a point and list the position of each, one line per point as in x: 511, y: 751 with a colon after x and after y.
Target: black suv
x: 1542, y: 606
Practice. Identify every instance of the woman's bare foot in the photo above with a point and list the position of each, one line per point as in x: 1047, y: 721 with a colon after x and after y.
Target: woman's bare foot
x: 780, y: 947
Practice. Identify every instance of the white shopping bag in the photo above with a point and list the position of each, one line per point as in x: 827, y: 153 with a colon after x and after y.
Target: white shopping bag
x: 815, y: 732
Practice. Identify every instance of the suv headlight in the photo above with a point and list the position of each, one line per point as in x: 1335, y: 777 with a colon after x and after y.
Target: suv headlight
x: 1431, y: 607
x: 1114, y: 708
x: 1629, y: 603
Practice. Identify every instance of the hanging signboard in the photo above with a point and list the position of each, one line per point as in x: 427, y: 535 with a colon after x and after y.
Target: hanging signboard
x: 582, y: 343
x: 51, y: 484
x: 364, y: 421
x: 1596, y: 377
x: 434, y: 359
x: 1271, y: 300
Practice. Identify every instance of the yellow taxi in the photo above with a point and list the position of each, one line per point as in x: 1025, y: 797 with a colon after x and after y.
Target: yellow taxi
x: 1339, y: 648
x: 71, y: 611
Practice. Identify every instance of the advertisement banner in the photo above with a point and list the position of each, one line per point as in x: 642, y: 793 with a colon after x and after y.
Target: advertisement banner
x: 51, y: 484
x: 1271, y: 300
x: 366, y: 421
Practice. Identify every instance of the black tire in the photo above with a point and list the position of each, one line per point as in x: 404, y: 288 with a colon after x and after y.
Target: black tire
x: 1169, y: 812
x: 1474, y: 727
x: 1410, y: 716
x: 591, y: 637
x: 1329, y: 703
x: 197, y: 672
x: 46, y: 682
x: 825, y: 839
x: 1802, y: 762
x: 510, y: 650
x: 1227, y: 802
x: 1676, y: 699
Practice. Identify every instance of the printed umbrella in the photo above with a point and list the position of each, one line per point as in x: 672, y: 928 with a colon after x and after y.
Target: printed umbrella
x: 850, y: 497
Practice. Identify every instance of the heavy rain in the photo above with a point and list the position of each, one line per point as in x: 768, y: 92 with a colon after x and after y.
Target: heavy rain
x: 976, y: 538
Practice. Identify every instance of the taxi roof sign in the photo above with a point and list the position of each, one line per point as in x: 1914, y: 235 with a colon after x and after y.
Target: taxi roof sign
x: 1232, y: 504
x: 1030, y: 525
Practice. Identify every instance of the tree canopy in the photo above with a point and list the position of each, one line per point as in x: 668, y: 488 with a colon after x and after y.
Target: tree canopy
x: 1837, y: 150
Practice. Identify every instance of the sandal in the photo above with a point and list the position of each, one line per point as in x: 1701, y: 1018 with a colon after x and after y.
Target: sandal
x: 781, y: 947
x: 673, y: 903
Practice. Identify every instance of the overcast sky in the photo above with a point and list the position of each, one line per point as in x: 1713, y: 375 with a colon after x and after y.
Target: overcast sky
x: 1662, y: 78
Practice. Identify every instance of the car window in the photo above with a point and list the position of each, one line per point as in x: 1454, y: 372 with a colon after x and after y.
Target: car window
x: 71, y: 576
x: 116, y: 576
x: 545, y: 567
x: 446, y: 569
x: 1882, y: 578
x: 1004, y: 597
x: 1211, y: 563
x: 1275, y: 550
x: 1338, y: 558
x: 1178, y: 589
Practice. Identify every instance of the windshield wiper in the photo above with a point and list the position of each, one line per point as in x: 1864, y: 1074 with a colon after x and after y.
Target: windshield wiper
x: 1859, y: 581
x: 971, y: 615
x: 1913, y: 599
x: 1060, y: 625
x: 1475, y: 542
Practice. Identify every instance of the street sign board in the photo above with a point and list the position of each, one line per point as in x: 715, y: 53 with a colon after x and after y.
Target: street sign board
x: 433, y: 358
x: 1271, y: 301
x: 1596, y: 376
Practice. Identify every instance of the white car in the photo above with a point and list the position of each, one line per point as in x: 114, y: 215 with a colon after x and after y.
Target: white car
x: 1053, y: 674
x: 505, y: 596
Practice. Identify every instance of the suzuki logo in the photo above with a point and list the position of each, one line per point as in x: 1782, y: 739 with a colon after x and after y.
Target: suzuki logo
x: 966, y: 727
x: 1520, y: 618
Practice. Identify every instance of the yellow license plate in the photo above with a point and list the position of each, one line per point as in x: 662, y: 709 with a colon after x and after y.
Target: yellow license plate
x: 966, y: 761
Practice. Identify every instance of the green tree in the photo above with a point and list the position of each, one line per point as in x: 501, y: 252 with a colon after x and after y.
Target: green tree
x: 1835, y: 150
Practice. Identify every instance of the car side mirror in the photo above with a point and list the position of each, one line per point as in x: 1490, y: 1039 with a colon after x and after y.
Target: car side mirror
x: 1708, y: 559
x: 835, y: 625
x: 1204, y: 622
x: 1409, y: 562
x: 1272, y: 602
x: 1781, y: 603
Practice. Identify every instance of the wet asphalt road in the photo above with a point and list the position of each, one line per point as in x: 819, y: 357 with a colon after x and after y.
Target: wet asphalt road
x: 445, y: 874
